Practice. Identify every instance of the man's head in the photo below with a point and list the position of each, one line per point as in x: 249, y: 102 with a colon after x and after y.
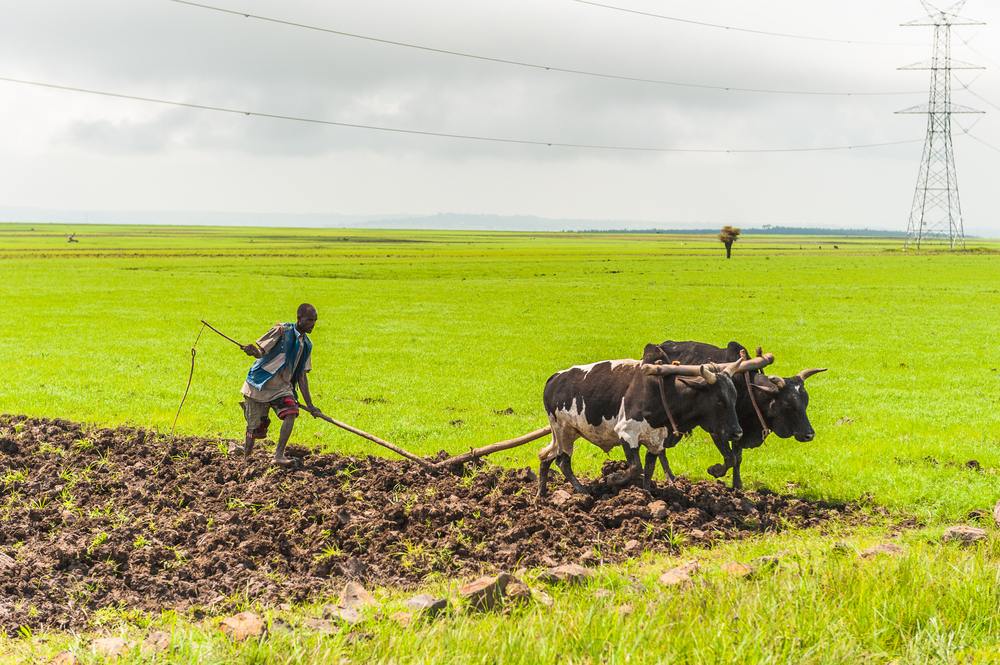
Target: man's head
x: 306, y: 320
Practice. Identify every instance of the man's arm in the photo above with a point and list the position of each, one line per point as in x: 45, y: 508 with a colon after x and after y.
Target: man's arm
x: 253, y: 350
x: 304, y: 389
x: 260, y: 348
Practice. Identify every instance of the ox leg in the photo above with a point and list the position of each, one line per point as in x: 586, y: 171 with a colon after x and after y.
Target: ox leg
x: 634, y: 466
x: 543, y: 477
x: 728, y: 459
x: 564, y: 462
x: 666, y: 466
x: 737, y: 460
x: 647, y: 475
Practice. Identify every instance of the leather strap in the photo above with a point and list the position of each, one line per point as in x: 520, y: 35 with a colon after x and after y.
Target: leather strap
x: 666, y: 407
x: 753, y: 401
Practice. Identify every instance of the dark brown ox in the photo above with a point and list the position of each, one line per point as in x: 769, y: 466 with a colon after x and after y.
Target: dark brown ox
x: 782, y: 402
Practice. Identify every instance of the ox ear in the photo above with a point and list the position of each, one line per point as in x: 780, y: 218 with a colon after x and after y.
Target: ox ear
x: 652, y: 353
x: 695, y: 382
x: 764, y: 384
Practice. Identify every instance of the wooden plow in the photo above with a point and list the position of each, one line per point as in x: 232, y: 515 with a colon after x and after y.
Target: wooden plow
x: 473, y: 454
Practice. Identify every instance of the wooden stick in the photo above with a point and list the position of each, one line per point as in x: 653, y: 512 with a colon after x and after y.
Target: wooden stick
x: 493, y: 448
x: 399, y: 451
x: 223, y: 334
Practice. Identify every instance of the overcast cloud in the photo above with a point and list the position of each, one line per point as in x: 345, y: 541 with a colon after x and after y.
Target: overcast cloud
x: 72, y: 151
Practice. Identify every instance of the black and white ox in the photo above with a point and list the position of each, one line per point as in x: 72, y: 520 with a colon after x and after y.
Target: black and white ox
x: 782, y: 402
x: 631, y: 403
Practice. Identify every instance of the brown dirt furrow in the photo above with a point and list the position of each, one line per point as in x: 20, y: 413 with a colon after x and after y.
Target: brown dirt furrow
x: 93, y: 518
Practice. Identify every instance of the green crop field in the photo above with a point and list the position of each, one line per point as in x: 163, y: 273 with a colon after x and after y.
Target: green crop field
x: 425, y: 338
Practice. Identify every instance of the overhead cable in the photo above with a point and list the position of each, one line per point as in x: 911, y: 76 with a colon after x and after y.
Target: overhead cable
x: 976, y: 138
x: 729, y: 27
x: 467, y: 137
x: 533, y: 65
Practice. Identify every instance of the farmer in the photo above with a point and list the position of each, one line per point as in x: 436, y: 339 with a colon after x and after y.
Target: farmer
x: 282, y: 363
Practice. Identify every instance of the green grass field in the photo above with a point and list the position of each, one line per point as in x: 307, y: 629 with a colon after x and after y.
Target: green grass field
x: 418, y: 330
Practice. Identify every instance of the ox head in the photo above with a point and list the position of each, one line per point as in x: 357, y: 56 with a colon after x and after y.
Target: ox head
x: 783, y: 402
x: 713, y: 388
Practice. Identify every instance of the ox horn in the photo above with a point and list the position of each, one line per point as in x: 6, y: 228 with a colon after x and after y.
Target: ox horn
x: 806, y: 373
x: 733, y: 368
x: 708, y: 375
x: 743, y: 365
x: 776, y: 380
x: 670, y: 370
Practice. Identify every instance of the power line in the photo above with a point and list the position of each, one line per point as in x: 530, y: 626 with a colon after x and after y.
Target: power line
x: 976, y: 138
x: 467, y: 137
x: 973, y: 49
x: 529, y: 64
x: 729, y: 27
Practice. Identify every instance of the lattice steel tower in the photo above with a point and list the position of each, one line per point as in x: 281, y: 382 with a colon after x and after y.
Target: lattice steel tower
x: 936, y: 212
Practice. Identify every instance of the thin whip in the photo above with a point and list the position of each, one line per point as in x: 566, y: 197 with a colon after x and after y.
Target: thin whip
x: 190, y: 376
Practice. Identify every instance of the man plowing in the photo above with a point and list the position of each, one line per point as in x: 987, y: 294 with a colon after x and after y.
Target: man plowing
x: 282, y: 364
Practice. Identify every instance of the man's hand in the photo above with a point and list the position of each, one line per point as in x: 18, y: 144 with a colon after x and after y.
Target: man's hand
x: 252, y: 350
x: 313, y: 410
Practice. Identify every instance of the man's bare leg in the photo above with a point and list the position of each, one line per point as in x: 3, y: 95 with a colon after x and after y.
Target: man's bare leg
x: 287, y: 423
x: 248, y: 446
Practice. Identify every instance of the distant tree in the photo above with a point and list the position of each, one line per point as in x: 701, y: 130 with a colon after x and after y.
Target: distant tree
x: 727, y: 237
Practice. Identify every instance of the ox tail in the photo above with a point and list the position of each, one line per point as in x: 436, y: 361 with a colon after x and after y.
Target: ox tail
x: 549, y: 452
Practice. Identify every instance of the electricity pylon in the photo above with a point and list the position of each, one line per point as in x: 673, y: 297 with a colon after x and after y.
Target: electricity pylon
x: 936, y: 212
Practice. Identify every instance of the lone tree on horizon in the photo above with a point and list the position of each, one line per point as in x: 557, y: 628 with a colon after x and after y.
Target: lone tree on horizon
x: 728, y: 236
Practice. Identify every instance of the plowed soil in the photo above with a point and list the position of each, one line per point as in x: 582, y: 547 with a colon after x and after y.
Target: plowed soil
x: 98, y: 518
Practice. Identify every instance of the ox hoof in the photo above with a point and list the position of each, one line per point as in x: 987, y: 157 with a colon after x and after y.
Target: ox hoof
x: 621, y: 478
x: 717, y: 470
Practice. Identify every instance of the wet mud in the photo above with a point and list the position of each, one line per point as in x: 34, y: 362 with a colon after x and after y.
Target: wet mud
x: 94, y: 518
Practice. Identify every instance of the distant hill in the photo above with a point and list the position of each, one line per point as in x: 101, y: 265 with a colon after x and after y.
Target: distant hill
x: 439, y: 222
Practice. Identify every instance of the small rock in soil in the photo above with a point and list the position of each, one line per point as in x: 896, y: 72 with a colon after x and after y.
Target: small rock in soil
x: 963, y: 534
x: 517, y: 591
x: 882, y: 548
x: 64, y: 658
x: 284, y: 607
x: 156, y: 642
x: 569, y: 573
x: 355, y: 595
x: 560, y: 498
x: 674, y: 577
x: 108, y: 647
x: 429, y: 605
x: 348, y: 615
x: 485, y: 593
x: 320, y: 626
x: 659, y: 510
x: 633, y: 548
x: 242, y: 626
x: 737, y: 569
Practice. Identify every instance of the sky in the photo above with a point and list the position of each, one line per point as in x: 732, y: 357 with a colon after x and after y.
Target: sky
x: 65, y: 150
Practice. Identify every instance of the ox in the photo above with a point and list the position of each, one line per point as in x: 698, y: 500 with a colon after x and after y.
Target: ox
x: 781, y: 403
x: 629, y: 403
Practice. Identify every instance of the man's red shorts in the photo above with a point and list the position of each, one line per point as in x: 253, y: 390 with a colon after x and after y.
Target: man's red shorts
x: 256, y: 414
x: 288, y: 407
